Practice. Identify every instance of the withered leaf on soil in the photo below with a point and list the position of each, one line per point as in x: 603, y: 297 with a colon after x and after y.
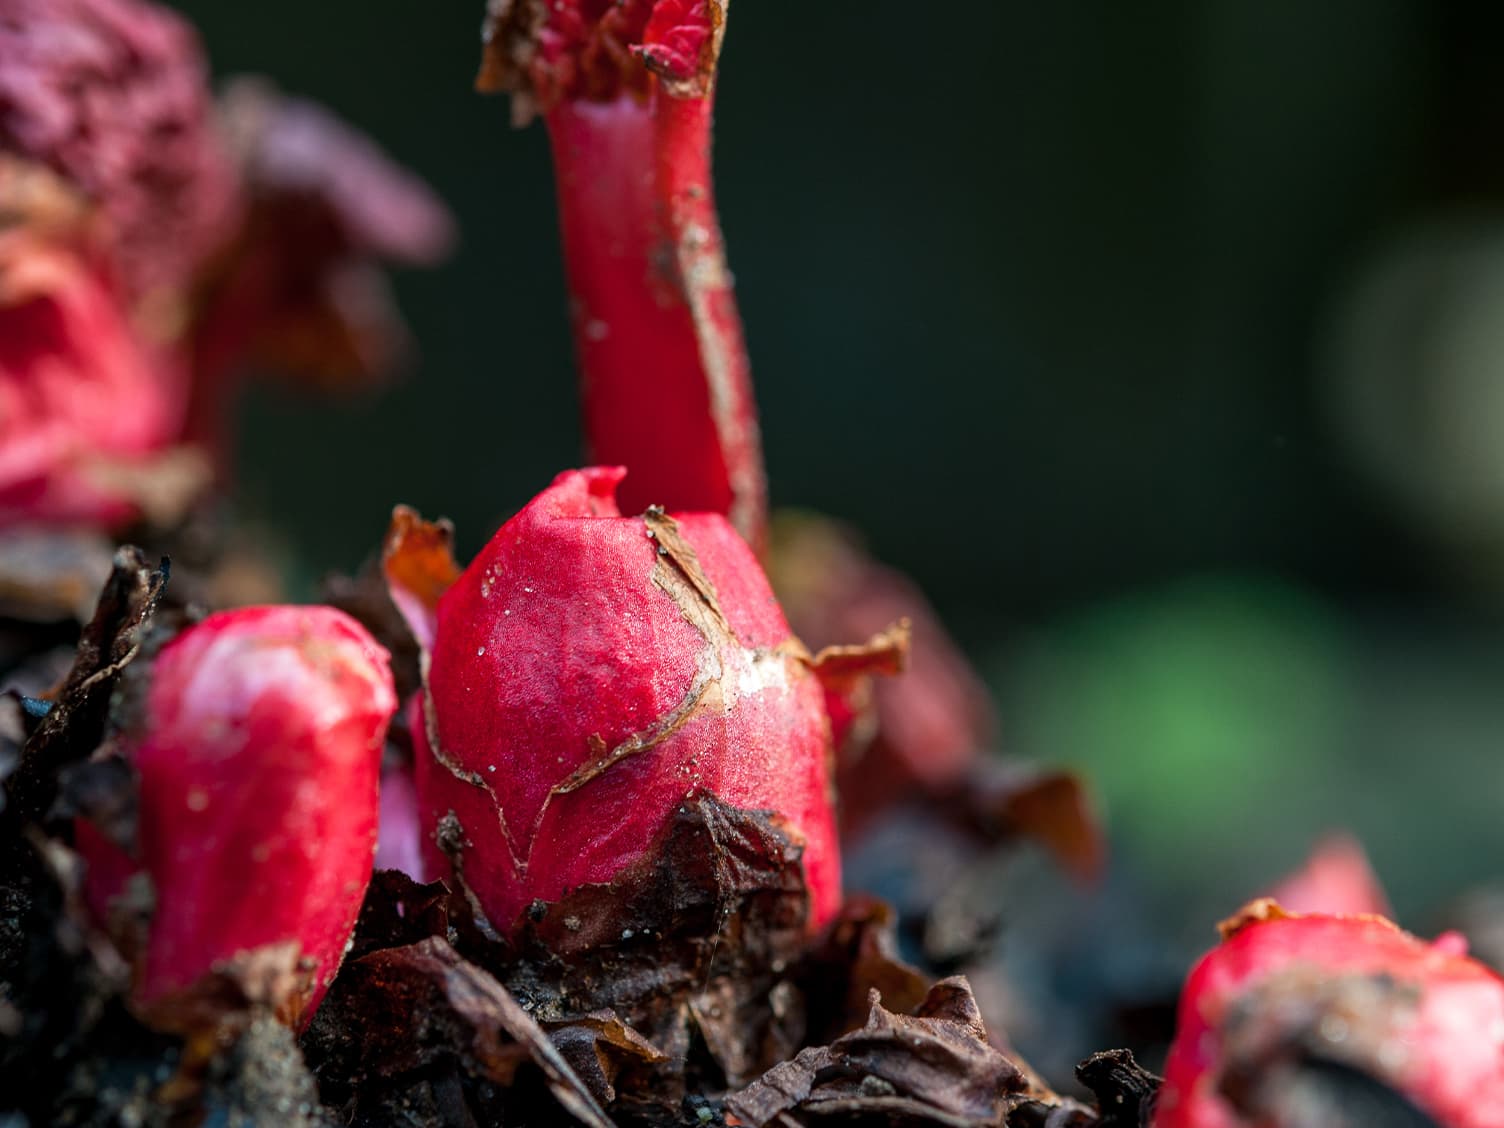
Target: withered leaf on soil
x: 599, y: 1047
x: 693, y: 939
x: 398, y: 911
x: 935, y: 1067
x: 858, y: 956
x: 74, y: 726
x: 399, y: 1012
x: 1125, y: 1090
x: 696, y: 982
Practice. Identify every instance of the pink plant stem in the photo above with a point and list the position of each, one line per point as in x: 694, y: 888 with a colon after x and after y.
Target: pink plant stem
x: 665, y: 381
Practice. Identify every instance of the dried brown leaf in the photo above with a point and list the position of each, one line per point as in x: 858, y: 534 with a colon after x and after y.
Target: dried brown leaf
x: 934, y: 1067
x: 403, y: 1010
x: 599, y: 1046
x: 417, y: 559
x: 74, y: 726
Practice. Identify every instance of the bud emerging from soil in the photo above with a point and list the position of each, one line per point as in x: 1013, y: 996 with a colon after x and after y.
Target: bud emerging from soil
x: 589, y: 673
x: 1289, y: 1004
x: 258, y: 750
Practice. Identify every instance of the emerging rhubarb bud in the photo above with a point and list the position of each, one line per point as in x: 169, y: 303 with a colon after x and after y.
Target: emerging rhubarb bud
x: 258, y: 750
x: 626, y: 90
x: 589, y: 673
x: 1290, y: 1006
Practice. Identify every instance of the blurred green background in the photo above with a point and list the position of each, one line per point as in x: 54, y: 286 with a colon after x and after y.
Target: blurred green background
x: 1164, y: 345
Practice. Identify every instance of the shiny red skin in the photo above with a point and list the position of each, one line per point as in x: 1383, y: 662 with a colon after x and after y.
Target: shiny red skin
x: 81, y: 395
x: 1451, y: 1061
x: 666, y: 383
x: 258, y: 759
x: 555, y: 645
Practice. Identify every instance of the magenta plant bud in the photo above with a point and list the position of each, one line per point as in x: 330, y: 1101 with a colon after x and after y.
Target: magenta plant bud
x: 258, y: 750
x: 589, y: 673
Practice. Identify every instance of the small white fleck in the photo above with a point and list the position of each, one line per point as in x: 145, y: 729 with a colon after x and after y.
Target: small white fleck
x: 528, y: 590
x: 490, y: 767
x: 508, y: 611
x: 479, y: 650
x: 626, y: 934
x: 1334, y: 1028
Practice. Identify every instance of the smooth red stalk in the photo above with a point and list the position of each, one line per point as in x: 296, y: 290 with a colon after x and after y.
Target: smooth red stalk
x: 665, y: 381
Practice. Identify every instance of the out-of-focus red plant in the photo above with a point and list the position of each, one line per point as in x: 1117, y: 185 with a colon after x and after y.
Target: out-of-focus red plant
x: 1336, y: 878
x: 1286, y: 993
x: 300, y: 289
x: 112, y: 96
x: 920, y: 733
x: 88, y: 410
x: 588, y: 674
x: 258, y: 749
x: 113, y: 188
x: 150, y: 246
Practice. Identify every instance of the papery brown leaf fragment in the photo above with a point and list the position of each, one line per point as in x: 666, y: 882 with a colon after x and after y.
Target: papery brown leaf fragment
x: 273, y: 980
x: 76, y: 722
x: 885, y: 653
x: 859, y: 955
x: 405, y: 1009
x: 1125, y: 1090
x: 599, y: 1046
x: 417, y: 559
x: 847, y: 674
x: 162, y: 488
x: 703, y: 933
x: 399, y: 911
x: 934, y: 1067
